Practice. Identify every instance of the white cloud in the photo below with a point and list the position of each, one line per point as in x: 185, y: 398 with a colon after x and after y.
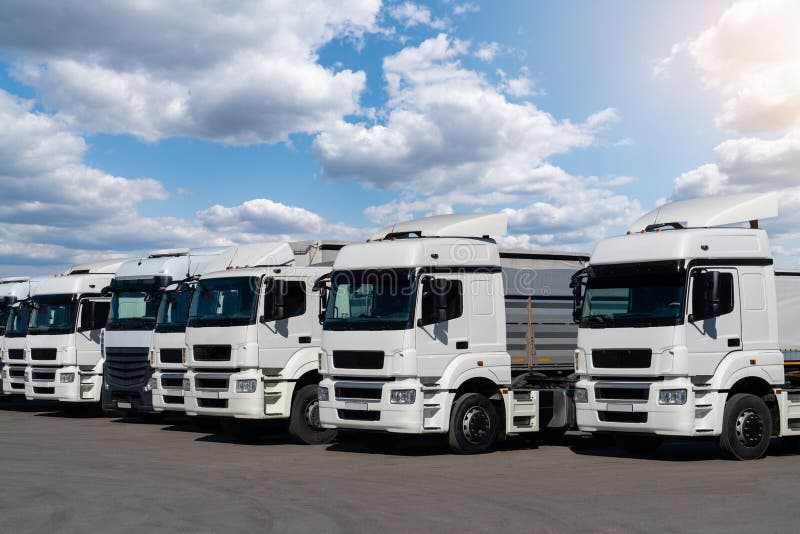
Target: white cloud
x: 261, y: 215
x: 488, y: 51
x: 411, y: 14
x: 752, y: 57
x: 465, y: 7
x: 238, y: 73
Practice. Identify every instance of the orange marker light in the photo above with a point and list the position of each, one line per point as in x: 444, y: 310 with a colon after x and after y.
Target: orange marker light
x: 480, y: 363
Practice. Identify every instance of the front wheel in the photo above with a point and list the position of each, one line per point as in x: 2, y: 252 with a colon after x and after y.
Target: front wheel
x: 746, y: 428
x: 473, y: 424
x: 304, y: 426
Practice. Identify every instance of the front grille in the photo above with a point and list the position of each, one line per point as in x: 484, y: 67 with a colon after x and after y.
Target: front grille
x: 168, y: 382
x: 43, y: 375
x: 211, y: 383
x: 172, y: 399
x: 44, y: 391
x: 16, y: 373
x: 212, y: 403
x: 358, y: 359
x: 43, y: 354
x: 127, y: 367
x: 16, y: 354
x: 358, y: 393
x: 171, y: 355
x: 621, y: 358
x: 359, y: 415
x: 212, y: 353
x: 603, y: 393
x: 17, y: 386
x: 623, y: 417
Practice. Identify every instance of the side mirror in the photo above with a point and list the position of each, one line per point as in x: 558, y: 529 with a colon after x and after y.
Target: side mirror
x: 274, y: 301
x: 323, y: 303
x: 437, y: 290
x: 106, y: 291
x: 713, y: 301
x: 706, y: 301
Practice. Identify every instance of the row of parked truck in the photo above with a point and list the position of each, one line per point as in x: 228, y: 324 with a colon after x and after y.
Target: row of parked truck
x: 681, y: 328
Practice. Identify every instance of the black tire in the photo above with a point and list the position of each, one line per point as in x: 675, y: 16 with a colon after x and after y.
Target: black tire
x: 304, y: 418
x: 639, y: 445
x: 473, y: 425
x: 746, y: 428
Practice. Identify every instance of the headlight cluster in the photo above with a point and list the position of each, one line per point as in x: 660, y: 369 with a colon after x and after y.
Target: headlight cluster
x: 322, y: 394
x: 246, y: 386
x: 581, y: 395
x: 67, y: 378
x: 673, y: 397
x: 402, y: 396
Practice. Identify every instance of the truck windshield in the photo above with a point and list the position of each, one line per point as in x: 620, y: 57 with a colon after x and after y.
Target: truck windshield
x: 133, y: 310
x: 371, y: 300
x: 52, y: 314
x: 173, y: 311
x: 224, y: 302
x: 17, y: 325
x: 4, y: 315
x: 626, y: 296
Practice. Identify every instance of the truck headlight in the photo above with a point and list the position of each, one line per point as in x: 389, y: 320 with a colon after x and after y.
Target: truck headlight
x: 322, y: 394
x: 246, y: 386
x: 67, y: 378
x: 187, y: 384
x: 402, y: 396
x: 581, y: 395
x: 674, y: 397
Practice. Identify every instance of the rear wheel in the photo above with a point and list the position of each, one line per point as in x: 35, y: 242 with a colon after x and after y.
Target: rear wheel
x: 304, y: 426
x: 473, y: 424
x: 746, y: 428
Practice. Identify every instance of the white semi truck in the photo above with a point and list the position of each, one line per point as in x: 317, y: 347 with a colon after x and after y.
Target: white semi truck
x: 431, y: 329
x: 136, y: 291
x: 14, y: 325
x: 252, y: 339
x: 687, y: 330
x: 68, y: 314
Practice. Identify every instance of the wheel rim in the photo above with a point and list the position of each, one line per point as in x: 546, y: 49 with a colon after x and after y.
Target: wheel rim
x: 477, y: 424
x: 749, y: 428
x: 311, y: 414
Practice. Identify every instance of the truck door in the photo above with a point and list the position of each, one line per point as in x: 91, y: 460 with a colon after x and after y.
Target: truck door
x: 711, y: 335
x: 92, y: 320
x: 284, y: 324
x: 439, y: 339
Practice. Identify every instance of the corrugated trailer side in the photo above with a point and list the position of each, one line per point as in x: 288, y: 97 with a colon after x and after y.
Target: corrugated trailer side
x: 787, y: 287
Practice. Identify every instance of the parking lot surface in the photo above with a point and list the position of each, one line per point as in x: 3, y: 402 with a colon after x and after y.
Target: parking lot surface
x: 73, y: 473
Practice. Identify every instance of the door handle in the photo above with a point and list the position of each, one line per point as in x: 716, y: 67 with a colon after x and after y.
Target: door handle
x: 462, y: 345
x: 734, y: 342
x: 305, y: 339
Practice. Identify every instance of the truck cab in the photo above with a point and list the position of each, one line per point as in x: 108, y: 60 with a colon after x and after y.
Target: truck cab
x: 136, y: 291
x: 678, y: 329
x: 416, y: 338
x: 253, y: 340
x: 14, y: 293
x: 68, y: 315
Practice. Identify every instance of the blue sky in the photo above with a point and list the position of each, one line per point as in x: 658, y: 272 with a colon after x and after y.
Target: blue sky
x: 131, y: 127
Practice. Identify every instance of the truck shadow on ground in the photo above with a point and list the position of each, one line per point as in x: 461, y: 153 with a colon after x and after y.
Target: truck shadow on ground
x: 21, y: 405
x: 677, y: 450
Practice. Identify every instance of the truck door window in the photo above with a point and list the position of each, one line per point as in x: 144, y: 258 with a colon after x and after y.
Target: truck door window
x: 294, y: 301
x: 455, y: 301
x: 699, y: 295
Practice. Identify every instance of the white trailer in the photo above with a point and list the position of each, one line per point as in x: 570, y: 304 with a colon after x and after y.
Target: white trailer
x: 253, y: 339
x: 68, y: 315
x: 686, y: 330
x: 427, y: 326
x: 14, y: 324
x: 136, y: 291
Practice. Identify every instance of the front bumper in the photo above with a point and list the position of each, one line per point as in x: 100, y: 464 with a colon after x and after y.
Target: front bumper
x: 271, y: 399
x: 697, y: 417
x: 168, y: 394
x: 345, y: 409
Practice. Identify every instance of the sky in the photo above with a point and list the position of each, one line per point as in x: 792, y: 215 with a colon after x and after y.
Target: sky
x: 131, y: 126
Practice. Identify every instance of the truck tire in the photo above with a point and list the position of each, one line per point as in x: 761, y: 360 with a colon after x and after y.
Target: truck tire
x: 746, y: 428
x: 638, y: 445
x: 473, y: 424
x: 304, y: 419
